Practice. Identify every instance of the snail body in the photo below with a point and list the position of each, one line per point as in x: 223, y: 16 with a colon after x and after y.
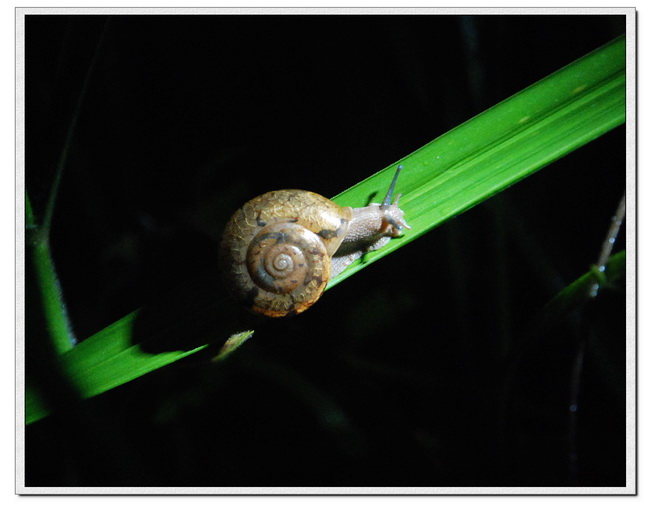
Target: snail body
x: 280, y: 249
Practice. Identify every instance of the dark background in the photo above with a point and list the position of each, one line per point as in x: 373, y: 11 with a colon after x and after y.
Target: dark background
x: 423, y: 369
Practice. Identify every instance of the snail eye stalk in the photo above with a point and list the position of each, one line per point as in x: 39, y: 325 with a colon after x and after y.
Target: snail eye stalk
x: 389, y: 195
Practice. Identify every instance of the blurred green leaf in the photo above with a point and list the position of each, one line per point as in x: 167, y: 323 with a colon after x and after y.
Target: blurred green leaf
x: 581, y: 290
x: 39, y: 258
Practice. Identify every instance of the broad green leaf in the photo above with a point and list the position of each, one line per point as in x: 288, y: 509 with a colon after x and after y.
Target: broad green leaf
x: 449, y: 175
x: 501, y: 146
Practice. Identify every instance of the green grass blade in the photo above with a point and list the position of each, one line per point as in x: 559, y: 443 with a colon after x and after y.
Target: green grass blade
x: 442, y: 179
x: 102, y: 362
x: 109, y: 359
x: 501, y: 146
x: 51, y: 302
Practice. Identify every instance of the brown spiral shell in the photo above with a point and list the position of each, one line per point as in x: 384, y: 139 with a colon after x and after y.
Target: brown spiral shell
x: 275, y: 251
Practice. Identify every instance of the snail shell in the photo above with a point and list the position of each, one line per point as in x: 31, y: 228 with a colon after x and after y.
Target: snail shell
x: 275, y: 252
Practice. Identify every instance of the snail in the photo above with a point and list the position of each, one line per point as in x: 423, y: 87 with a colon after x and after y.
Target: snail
x: 279, y: 250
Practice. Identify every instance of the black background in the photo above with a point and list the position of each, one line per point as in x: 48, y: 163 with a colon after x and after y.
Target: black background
x: 421, y: 370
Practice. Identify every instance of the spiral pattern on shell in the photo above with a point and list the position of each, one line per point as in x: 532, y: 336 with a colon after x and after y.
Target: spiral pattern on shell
x: 290, y: 262
x: 275, y: 251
